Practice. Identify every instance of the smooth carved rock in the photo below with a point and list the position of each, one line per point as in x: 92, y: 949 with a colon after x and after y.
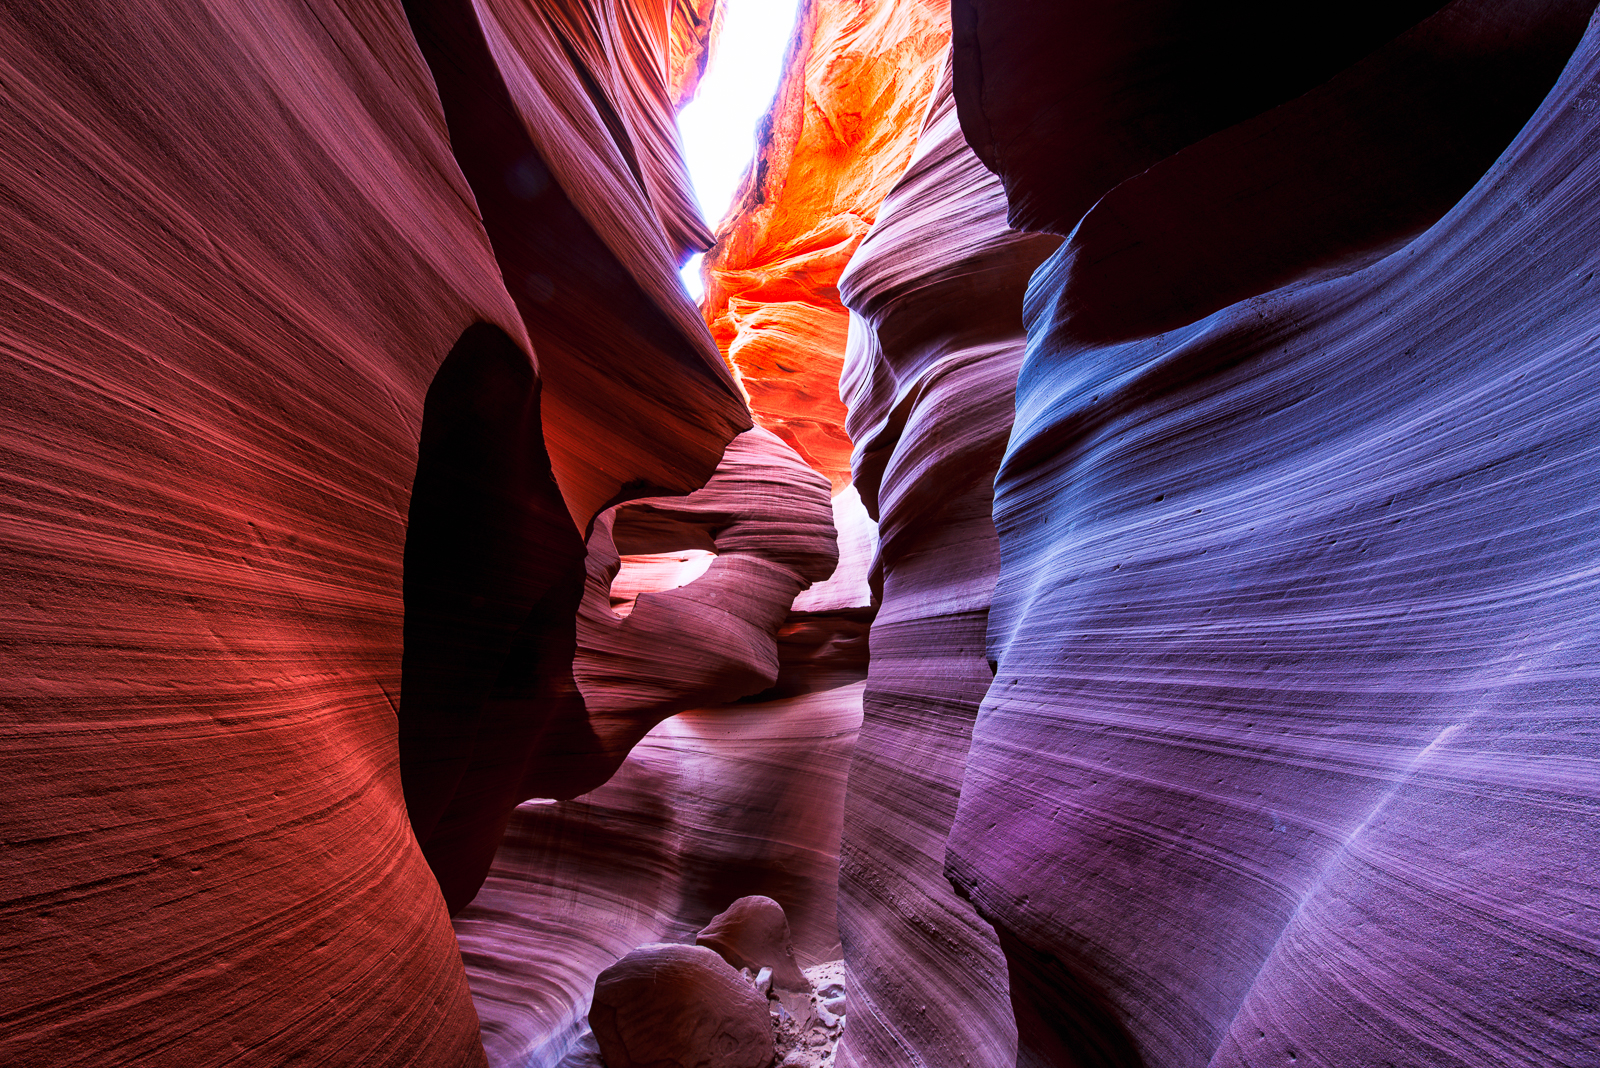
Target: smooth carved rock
x: 561, y: 121
x: 745, y: 799
x: 1065, y: 101
x: 237, y: 249
x: 670, y: 1006
x: 840, y: 132
x: 753, y: 933
x: 766, y: 517
x: 1288, y: 752
x: 937, y: 290
x: 562, y: 125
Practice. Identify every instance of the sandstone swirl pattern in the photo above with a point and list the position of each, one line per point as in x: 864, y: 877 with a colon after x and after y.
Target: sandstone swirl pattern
x: 241, y: 241
x: 935, y: 344
x: 1289, y: 757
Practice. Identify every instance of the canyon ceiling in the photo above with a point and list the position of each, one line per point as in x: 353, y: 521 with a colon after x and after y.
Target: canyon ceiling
x: 1113, y: 553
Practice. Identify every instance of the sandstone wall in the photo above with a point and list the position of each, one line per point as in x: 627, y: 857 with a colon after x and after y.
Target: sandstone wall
x: 856, y: 84
x: 935, y: 345
x: 1285, y: 758
x: 250, y: 263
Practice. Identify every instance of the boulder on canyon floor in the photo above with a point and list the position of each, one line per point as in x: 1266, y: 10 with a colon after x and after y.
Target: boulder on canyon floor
x: 671, y: 1006
x: 753, y: 933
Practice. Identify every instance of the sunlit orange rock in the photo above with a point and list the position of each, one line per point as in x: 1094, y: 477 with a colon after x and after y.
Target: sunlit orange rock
x: 839, y: 135
x: 694, y: 27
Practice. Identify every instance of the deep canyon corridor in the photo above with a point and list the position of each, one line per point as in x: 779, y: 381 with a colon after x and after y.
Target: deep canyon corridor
x: 1104, y: 575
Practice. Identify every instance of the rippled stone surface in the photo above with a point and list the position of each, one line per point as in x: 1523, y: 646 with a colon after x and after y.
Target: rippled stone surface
x: 937, y: 287
x: 1288, y: 753
x: 711, y: 806
x: 250, y: 264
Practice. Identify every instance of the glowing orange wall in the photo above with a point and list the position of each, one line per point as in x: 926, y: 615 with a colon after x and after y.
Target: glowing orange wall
x: 840, y: 133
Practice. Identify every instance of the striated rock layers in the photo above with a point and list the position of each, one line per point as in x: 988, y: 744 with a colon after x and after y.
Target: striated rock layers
x: 725, y: 800
x: 1288, y: 757
x: 935, y: 345
x: 260, y: 299
x: 713, y: 805
x: 560, y: 117
x: 857, y: 81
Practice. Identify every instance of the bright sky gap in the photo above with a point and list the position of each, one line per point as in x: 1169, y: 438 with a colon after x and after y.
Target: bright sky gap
x: 718, y: 127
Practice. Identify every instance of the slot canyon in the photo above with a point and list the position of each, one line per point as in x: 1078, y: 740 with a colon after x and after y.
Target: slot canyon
x: 1107, y: 554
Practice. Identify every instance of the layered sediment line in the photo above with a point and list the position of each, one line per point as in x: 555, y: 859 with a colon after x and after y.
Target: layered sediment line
x: 1283, y: 758
x: 936, y: 340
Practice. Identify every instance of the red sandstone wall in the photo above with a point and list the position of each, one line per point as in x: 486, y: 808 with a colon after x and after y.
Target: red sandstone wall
x: 857, y: 82
x: 249, y: 264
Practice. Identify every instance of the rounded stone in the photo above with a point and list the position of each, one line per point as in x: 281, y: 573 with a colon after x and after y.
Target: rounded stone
x: 753, y: 933
x: 671, y: 1006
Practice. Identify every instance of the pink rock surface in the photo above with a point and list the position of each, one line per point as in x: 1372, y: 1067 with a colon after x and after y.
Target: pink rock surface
x: 244, y: 275
x: 672, y: 1006
x: 754, y: 933
x: 711, y: 806
x: 1288, y: 758
x: 562, y: 122
x: 560, y: 118
x: 766, y: 517
x: 937, y: 287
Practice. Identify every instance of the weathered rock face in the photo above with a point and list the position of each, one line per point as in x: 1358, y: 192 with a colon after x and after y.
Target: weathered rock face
x: 1285, y: 756
x: 560, y: 716
x: 237, y: 249
x: 241, y: 242
x: 937, y: 287
x: 561, y: 120
x: 766, y: 517
x: 712, y: 805
x: 671, y: 1006
x: 754, y: 933
x: 694, y: 26
x: 858, y: 78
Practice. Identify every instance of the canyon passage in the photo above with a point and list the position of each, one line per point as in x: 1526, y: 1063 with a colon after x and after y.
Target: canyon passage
x: 1103, y: 575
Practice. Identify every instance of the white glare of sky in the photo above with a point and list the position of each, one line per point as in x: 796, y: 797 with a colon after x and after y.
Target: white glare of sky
x: 718, y: 126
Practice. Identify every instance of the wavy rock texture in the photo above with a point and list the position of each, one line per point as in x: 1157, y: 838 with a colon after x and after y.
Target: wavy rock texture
x: 1288, y: 756
x: 937, y: 287
x: 694, y: 26
x: 856, y: 86
x: 561, y: 120
x: 245, y: 275
x: 237, y: 249
x: 766, y: 518
x: 711, y: 806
